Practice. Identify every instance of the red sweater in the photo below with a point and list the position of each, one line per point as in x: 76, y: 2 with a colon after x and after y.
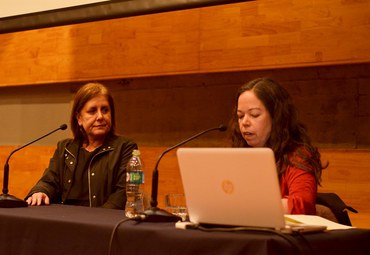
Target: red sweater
x: 300, y: 188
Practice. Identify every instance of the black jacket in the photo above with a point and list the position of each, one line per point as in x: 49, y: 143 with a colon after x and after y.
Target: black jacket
x: 107, y: 172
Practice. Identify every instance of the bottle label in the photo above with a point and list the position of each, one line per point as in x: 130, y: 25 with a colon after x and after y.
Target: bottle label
x: 135, y: 177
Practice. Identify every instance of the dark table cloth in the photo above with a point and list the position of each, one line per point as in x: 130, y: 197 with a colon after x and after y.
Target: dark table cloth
x: 61, y: 229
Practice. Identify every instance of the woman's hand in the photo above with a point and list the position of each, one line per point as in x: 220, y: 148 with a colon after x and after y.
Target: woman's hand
x: 38, y: 198
x: 284, y: 201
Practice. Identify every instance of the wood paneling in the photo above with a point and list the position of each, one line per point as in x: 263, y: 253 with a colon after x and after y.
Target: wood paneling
x: 27, y: 166
x: 244, y: 36
x: 331, y: 102
x: 347, y: 174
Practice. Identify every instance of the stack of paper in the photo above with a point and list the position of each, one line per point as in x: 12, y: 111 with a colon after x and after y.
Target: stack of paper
x: 313, y: 220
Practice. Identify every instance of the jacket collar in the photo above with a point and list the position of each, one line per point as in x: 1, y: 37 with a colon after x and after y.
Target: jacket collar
x: 75, y: 145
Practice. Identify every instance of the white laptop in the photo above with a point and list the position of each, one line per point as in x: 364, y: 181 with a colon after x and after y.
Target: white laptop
x: 231, y: 186
x: 237, y: 187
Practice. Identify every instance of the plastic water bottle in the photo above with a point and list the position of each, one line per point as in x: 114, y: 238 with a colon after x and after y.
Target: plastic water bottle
x: 134, y: 180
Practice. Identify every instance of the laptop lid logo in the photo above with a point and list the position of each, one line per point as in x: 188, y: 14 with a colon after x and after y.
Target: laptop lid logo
x: 227, y: 186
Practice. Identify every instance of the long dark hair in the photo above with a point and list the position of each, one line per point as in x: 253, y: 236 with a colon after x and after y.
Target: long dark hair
x: 83, y: 95
x: 288, y: 136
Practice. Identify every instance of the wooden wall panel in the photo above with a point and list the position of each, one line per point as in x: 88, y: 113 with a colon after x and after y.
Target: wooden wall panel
x: 332, y: 103
x: 148, y: 45
x: 244, y: 36
x: 347, y: 174
x: 132, y: 46
x: 27, y: 166
x: 270, y: 34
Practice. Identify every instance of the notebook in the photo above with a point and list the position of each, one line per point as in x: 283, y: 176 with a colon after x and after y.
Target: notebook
x: 231, y: 186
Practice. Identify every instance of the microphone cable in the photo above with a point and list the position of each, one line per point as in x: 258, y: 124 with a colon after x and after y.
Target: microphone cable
x: 286, y: 236
x: 137, y: 218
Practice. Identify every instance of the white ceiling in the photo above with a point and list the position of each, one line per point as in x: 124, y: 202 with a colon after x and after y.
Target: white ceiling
x: 18, y: 7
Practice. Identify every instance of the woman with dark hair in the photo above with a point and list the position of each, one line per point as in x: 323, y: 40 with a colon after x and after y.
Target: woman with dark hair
x: 264, y: 116
x: 90, y: 169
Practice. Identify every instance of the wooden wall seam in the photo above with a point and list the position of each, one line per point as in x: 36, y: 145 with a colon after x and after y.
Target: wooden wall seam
x: 234, y: 37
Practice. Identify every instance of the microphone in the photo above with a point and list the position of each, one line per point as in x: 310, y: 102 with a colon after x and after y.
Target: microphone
x: 10, y: 201
x: 155, y: 214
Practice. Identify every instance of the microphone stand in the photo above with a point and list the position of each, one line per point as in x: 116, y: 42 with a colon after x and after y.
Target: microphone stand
x: 10, y: 201
x: 155, y: 214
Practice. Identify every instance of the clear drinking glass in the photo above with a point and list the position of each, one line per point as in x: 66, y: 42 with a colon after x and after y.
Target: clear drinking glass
x: 176, y: 204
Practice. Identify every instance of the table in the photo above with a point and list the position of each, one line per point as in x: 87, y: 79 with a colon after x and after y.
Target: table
x: 62, y: 229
